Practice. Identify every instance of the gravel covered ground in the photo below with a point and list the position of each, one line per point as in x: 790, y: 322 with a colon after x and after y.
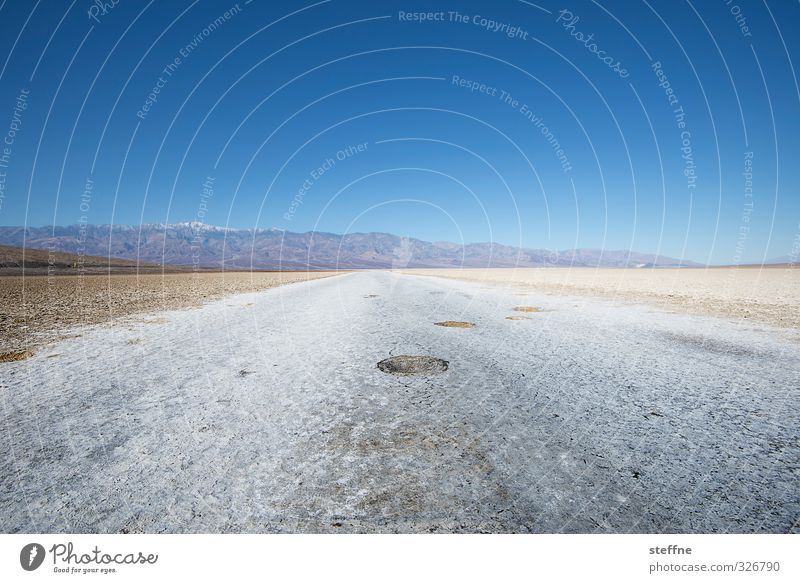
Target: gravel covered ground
x: 266, y: 412
x: 35, y: 310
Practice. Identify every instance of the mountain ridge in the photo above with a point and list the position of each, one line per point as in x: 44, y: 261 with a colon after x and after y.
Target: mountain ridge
x: 203, y: 245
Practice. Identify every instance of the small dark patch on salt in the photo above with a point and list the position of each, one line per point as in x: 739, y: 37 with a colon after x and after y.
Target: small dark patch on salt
x: 406, y: 365
x: 713, y: 345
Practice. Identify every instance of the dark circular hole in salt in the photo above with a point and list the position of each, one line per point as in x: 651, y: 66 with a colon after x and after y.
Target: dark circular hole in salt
x: 404, y: 365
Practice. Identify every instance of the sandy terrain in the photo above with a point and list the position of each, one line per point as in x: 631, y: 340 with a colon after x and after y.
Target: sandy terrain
x: 770, y: 295
x: 19, y: 261
x: 268, y: 412
x: 36, y: 310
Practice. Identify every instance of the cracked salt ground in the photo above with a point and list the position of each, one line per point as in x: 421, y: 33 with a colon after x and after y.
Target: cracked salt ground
x: 603, y: 417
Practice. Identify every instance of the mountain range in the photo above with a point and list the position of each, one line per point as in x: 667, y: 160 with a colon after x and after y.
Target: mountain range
x: 209, y: 246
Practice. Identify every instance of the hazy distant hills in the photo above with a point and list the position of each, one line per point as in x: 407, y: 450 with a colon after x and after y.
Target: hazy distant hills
x: 209, y: 246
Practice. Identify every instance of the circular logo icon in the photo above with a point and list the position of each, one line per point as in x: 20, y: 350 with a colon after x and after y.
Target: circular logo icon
x: 31, y: 556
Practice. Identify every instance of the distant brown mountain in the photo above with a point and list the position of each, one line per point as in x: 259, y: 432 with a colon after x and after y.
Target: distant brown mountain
x: 209, y: 246
x: 13, y: 259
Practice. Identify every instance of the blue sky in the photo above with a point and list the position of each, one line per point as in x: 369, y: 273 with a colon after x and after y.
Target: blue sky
x: 501, y: 123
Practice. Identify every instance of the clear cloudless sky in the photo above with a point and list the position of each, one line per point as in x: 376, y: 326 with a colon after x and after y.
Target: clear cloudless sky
x: 346, y: 116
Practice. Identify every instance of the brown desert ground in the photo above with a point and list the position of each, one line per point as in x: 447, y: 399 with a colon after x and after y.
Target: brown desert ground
x: 769, y: 295
x: 13, y: 260
x: 35, y: 310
